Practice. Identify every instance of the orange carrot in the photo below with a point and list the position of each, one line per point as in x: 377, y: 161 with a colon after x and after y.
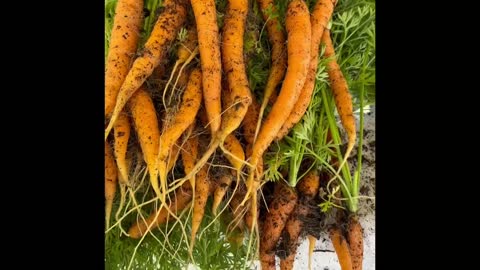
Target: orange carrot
x: 276, y: 36
x: 341, y: 248
x: 110, y: 182
x: 185, y: 116
x: 202, y: 191
x: 236, y: 158
x: 299, y: 37
x: 281, y: 206
x: 220, y: 191
x: 209, y: 47
x: 343, y: 99
x: 234, y: 67
x: 319, y: 19
x: 182, y: 197
x: 123, y: 45
x: 185, y: 53
x: 249, y: 126
x: 163, y: 34
x: 311, y: 246
x: 308, y: 188
x: 146, y: 125
x: 355, y: 240
x: 122, y: 134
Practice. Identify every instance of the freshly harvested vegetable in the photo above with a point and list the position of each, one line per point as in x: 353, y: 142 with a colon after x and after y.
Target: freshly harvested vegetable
x: 209, y: 48
x: 123, y: 45
x: 162, y: 36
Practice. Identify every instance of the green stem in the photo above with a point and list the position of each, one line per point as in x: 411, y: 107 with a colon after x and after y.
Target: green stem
x: 356, y: 180
x: 351, y: 205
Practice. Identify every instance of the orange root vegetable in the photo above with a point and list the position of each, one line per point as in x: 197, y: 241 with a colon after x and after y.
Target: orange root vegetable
x: 276, y: 37
x: 299, y: 37
x: 343, y: 99
x: 308, y: 188
x: 121, y: 132
x: 236, y: 157
x: 311, y: 246
x: 123, y: 45
x: 182, y: 198
x: 173, y: 157
x: 341, y: 248
x: 202, y: 191
x: 283, y: 202
x: 220, y: 191
x: 267, y: 261
x: 355, y: 240
x: 210, y: 60
x: 163, y: 34
x: 249, y: 126
x: 189, y: 156
x: 250, y: 122
x: 110, y: 182
x: 180, y: 201
x: 146, y: 125
x: 234, y: 67
x: 319, y: 19
x: 235, y: 230
x: 185, y: 53
x: 185, y: 116
x: 186, y: 48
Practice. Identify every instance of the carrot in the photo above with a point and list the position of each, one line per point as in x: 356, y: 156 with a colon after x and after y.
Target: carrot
x: 220, y: 191
x: 189, y: 155
x: 341, y: 248
x: 249, y: 123
x: 110, y: 182
x: 235, y: 230
x: 309, y: 185
x: 202, y: 191
x: 355, y: 240
x: 173, y: 156
x: 311, y: 246
x: 122, y: 134
x: 343, y: 99
x: 234, y: 67
x: 281, y: 206
x: 123, y: 45
x: 237, y: 158
x: 182, y: 197
x: 185, y: 53
x: 308, y: 188
x: 146, y: 125
x: 209, y: 47
x: 267, y: 261
x: 249, y: 127
x: 163, y: 34
x: 276, y: 36
x: 319, y: 19
x: 185, y: 116
x: 298, y: 48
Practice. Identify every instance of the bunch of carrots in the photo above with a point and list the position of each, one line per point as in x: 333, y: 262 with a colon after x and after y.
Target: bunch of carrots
x: 203, y: 133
